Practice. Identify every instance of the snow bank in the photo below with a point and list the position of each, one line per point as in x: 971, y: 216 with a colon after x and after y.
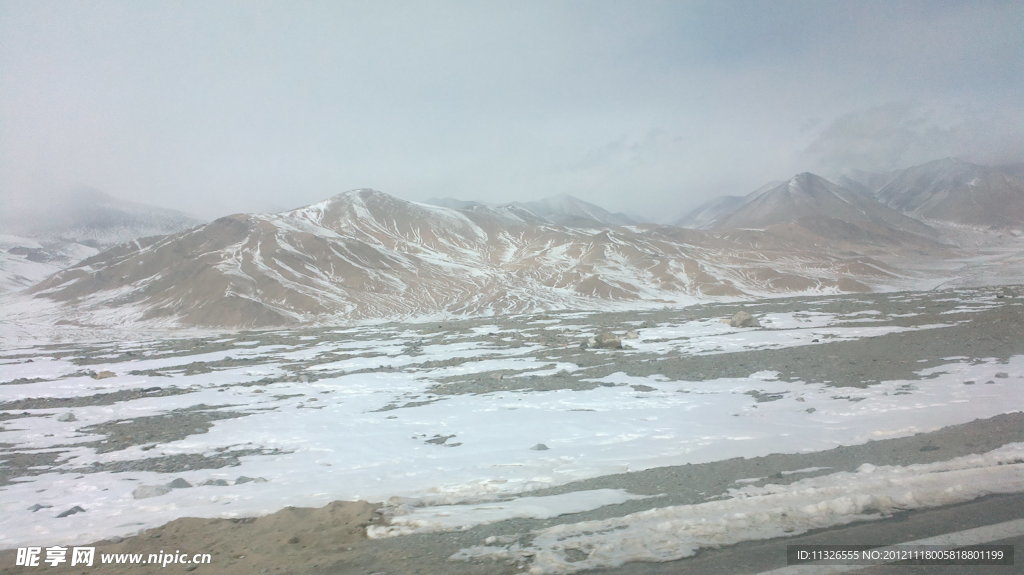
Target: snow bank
x: 751, y: 513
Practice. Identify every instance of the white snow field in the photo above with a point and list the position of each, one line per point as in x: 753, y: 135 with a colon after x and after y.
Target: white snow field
x: 364, y: 413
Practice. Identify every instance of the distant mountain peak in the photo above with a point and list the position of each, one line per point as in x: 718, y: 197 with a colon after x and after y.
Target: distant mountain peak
x: 568, y: 210
x: 358, y: 195
x: 561, y: 209
x: 802, y: 185
x: 957, y: 191
x: 91, y: 216
x: 810, y: 182
x: 706, y: 215
x: 809, y: 207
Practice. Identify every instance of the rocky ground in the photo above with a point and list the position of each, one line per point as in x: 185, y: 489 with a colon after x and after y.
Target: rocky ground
x: 332, y: 540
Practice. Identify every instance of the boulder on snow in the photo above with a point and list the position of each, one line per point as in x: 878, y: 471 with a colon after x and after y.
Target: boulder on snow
x: 67, y: 416
x: 147, y: 491
x: 604, y: 340
x: 179, y: 483
x: 744, y: 319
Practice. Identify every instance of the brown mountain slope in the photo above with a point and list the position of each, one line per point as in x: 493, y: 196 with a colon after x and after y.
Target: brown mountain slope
x: 364, y: 254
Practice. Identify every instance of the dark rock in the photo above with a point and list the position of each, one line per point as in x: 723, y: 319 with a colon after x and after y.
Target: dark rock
x: 439, y: 439
x: 72, y: 511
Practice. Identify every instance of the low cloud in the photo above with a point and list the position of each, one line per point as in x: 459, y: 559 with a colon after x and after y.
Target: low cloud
x: 898, y: 135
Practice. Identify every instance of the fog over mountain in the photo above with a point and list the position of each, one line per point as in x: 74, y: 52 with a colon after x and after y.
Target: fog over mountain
x: 957, y: 191
x: 652, y: 109
x: 43, y: 234
x: 90, y: 217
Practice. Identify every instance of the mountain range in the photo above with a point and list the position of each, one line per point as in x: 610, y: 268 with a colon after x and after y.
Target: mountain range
x: 365, y: 254
x: 956, y: 191
x: 562, y: 210
x: 947, y: 191
x: 819, y: 211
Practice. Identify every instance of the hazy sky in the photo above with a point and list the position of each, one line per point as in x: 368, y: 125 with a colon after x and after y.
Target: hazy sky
x: 214, y: 107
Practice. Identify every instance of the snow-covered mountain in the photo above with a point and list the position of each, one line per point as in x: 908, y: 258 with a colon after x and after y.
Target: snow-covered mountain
x: 513, y: 213
x: 26, y: 261
x: 41, y: 235
x: 861, y: 181
x: 562, y: 210
x: 567, y: 210
x: 365, y: 254
x: 811, y: 207
x: 706, y: 215
x: 956, y: 191
x: 941, y: 191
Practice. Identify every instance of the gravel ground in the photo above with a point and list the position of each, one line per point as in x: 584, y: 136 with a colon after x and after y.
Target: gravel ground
x: 331, y: 540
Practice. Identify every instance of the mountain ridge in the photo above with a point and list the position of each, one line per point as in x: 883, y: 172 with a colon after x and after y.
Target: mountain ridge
x: 811, y: 207
x: 364, y: 254
x: 957, y: 191
x: 562, y: 209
